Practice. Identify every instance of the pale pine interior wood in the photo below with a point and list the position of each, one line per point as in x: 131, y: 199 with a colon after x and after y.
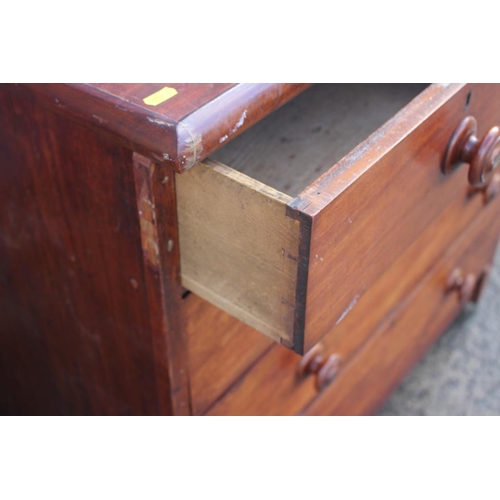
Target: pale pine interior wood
x: 297, y: 143
x: 238, y: 248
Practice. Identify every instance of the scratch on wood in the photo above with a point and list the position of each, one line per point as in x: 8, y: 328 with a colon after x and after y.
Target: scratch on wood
x: 238, y: 124
x: 59, y: 104
x: 158, y: 122
x: 319, y: 258
x: 99, y: 119
x: 146, y: 210
x: 353, y: 302
x: 161, y: 157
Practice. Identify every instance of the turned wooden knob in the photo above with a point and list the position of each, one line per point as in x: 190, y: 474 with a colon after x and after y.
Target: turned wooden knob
x: 328, y: 371
x: 315, y: 362
x: 311, y: 361
x: 492, y: 188
x: 483, y: 156
x: 481, y: 283
x: 469, y: 286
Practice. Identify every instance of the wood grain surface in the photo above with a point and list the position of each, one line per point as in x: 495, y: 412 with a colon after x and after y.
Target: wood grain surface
x: 157, y: 210
x: 407, y: 334
x: 371, y: 366
x: 92, y: 319
x: 356, y: 220
x: 407, y: 272
x: 78, y: 332
x: 180, y: 131
x: 375, y: 202
x: 221, y: 350
x: 239, y: 251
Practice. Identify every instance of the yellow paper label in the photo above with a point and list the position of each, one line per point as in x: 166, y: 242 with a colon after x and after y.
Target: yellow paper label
x: 160, y: 96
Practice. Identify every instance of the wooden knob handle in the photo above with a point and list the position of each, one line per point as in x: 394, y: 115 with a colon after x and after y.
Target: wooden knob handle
x: 311, y: 361
x: 483, y: 156
x: 465, y: 285
x: 481, y: 283
x: 327, y: 372
x: 315, y: 362
x: 492, y: 188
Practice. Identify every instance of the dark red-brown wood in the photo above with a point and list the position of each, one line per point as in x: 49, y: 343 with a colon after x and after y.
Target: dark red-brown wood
x: 155, y: 194
x: 92, y: 319
x: 182, y: 130
x: 83, y: 326
x: 407, y: 333
x: 221, y: 350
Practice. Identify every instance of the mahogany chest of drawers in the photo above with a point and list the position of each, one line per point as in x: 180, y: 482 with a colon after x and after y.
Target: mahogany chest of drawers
x: 237, y: 249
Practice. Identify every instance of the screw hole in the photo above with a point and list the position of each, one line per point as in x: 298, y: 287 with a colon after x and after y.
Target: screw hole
x: 467, y: 100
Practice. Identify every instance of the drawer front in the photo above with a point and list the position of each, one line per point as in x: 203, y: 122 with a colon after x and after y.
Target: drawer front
x: 397, y: 332
x: 367, y: 210
x: 403, y: 338
x: 297, y: 269
x: 410, y: 269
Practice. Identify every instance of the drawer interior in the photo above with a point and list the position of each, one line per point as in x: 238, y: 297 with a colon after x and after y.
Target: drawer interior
x: 297, y: 143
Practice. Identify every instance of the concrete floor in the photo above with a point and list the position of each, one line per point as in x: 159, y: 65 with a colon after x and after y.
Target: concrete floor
x: 461, y: 373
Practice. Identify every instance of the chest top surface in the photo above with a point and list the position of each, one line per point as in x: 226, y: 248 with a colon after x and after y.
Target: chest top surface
x: 177, y: 123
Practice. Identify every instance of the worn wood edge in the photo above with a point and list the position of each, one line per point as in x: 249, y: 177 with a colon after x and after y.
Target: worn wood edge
x: 140, y: 130
x: 347, y: 171
x: 227, y: 116
x: 164, y: 293
x: 239, y: 199
x: 180, y: 144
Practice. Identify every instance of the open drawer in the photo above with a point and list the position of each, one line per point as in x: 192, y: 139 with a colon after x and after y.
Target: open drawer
x: 295, y: 265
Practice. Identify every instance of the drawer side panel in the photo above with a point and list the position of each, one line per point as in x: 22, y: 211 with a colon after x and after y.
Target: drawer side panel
x: 239, y: 250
